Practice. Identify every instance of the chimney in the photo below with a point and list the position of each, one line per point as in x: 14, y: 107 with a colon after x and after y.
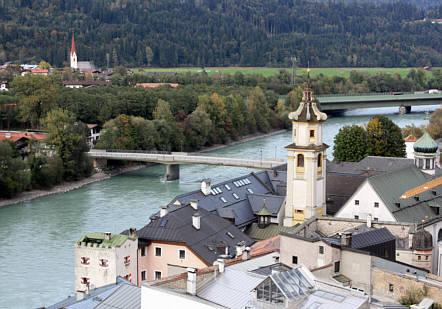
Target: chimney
x: 107, y: 236
x: 221, y: 264
x: 194, y: 204
x: 163, y: 211
x: 345, y: 239
x: 246, y: 254
x: 206, y: 186
x: 191, y: 281
x: 240, y: 248
x: 275, y: 259
x: 275, y: 172
x: 196, y: 220
x: 368, y: 220
x: 132, y: 232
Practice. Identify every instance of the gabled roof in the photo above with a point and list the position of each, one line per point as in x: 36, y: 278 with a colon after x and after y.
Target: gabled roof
x: 391, y: 186
x: 208, y: 242
x: 14, y: 136
x: 372, y: 238
x: 273, y: 203
x: 369, y: 166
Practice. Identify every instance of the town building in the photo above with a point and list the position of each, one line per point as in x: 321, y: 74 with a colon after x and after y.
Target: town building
x: 93, y: 134
x: 188, y: 236
x: 85, y: 84
x: 409, y: 142
x: 26, y: 142
x: 156, y: 85
x: 4, y: 86
x: 101, y: 257
x: 425, y: 153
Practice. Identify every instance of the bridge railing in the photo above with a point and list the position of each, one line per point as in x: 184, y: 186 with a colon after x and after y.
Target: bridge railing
x: 359, y: 94
x: 139, y: 151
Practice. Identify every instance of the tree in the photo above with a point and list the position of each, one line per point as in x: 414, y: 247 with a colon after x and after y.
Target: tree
x: 162, y: 111
x: 68, y: 138
x: 45, y: 171
x: 411, y: 129
x: 149, y: 55
x: 44, y: 65
x: 14, y: 178
x: 37, y: 96
x: 435, y: 127
x: 199, y: 126
x: 293, y: 99
x: 384, y: 138
x: 351, y: 144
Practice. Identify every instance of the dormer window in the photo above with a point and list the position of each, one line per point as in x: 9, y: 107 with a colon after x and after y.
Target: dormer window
x: 416, y: 197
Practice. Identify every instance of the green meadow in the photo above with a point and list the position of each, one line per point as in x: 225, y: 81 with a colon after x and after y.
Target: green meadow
x: 343, y: 72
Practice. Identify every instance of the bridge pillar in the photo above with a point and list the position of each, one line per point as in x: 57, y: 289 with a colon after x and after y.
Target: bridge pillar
x: 404, y: 109
x: 172, y: 172
x: 99, y: 163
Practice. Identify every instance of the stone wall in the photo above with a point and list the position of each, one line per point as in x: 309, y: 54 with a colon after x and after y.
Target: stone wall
x: 381, y: 280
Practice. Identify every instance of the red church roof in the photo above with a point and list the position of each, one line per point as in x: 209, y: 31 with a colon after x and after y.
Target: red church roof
x: 73, y: 45
x: 410, y: 138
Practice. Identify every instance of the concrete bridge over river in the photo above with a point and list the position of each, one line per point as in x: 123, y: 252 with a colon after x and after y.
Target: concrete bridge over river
x: 174, y: 159
x: 404, y: 101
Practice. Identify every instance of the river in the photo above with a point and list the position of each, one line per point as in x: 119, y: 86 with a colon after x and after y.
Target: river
x: 37, y: 237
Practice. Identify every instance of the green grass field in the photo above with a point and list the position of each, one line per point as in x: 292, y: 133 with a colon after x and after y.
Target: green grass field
x: 343, y: 72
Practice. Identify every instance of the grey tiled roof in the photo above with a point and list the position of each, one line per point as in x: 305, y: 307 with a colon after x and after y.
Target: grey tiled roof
x: 369, y: 166
x: 371, y: 238
x: 273, y: 202
x: 125, y: 297
x: 258, y: 233
x: 215, y: 232
x: 339, y: 188
x: 391, y: 186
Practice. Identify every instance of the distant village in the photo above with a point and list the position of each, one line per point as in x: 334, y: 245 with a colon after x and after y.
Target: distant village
x: 308, y: 234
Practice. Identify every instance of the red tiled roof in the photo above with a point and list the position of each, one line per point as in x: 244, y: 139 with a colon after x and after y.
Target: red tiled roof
x: 15, y: 136
x: 73, y: 45
x: 410, y: 138
x: 155, y: 85
x: 38, y: 70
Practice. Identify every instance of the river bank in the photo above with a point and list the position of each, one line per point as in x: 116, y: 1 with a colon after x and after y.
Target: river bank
x: 101, y: 175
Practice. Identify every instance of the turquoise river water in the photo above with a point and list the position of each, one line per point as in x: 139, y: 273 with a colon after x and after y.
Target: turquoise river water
x: 37, y: 237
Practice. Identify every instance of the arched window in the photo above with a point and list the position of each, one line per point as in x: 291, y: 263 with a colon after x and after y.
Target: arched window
x: 320, y: 160
x: 300, y: 160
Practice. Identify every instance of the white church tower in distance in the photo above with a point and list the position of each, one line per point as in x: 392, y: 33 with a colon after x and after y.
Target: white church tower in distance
x: 74, y: 63
x: 306, y: 164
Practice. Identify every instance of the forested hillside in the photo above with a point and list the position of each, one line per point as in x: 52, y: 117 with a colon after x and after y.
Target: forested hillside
x: 220, y: 32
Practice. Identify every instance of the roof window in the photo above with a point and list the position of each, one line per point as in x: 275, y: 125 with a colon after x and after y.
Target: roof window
x: 235, y: 196
x: 227, y: 187
x: 250, y: 190
x: 416, y: 197
x: 163, y: 223
x: 218, y: 190
x: 398, y: 204
x: 223, y: 199
x: 230, y: 235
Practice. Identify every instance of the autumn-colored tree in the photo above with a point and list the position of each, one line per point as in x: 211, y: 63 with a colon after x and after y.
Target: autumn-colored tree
x: 385, y: 138
x: 162, y: 111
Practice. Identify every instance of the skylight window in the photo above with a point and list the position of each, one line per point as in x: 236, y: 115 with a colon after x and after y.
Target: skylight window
x: 247, y: 181
x: 218, y: 190
x: 230, y: 235
x: 213, y: 192
x: 235, y: 196
x: 236, y: 184
x: 163, y: 223
x: 227, y: 187
x: 223, y: 199
x: 242, y: 182
x: 250, y: 190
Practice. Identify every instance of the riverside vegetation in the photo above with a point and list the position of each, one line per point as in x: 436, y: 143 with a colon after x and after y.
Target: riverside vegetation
x: 204, y: 110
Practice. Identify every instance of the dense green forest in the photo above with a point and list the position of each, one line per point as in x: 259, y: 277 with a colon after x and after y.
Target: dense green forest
x: 171, y: 33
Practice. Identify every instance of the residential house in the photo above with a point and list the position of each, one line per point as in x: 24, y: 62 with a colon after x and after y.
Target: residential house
x: 188, y: 236
x: 38, y: 71
x: 155, y: 85
x: 24, y: 141
x: 94, y: 134
x: 85, y: 84
x: 101, y: 257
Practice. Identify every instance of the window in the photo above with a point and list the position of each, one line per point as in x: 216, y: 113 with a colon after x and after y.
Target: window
x: 416, y: 197
x: 157, y: 275
x: 356, y: 217
x: 418, y: 257
x: 223, y: 199
x: 182, y: 254
x: 390, y: 287
x: 250, y: 190
x: 143, y: 251
x: 376, y: 205
x: 127, y: 260
x: 337, y: 266
x: 235, y: 196
x: 268, y: 292
x: 356, y: 202
x: 227, y: 187
x: 143, y: 275
x: 294, y: 259
x: 375, y: 219
x: 312, y: 133
x: 103, y: 262
x: 300, y: 160
x: 299, y: 211
x: 321, y: 249
x: 319, y: 160
x: 157, y: 251
x: 426, y: 258
x: 85, y: 280
x: 294, y: 132
x: 398, y: 205
x: 427, y: 164
x: 420, y: 163
x: 84, y: 260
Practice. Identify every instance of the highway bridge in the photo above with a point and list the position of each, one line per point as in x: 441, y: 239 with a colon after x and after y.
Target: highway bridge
x: 404, y: 101
x: 174, y: 159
